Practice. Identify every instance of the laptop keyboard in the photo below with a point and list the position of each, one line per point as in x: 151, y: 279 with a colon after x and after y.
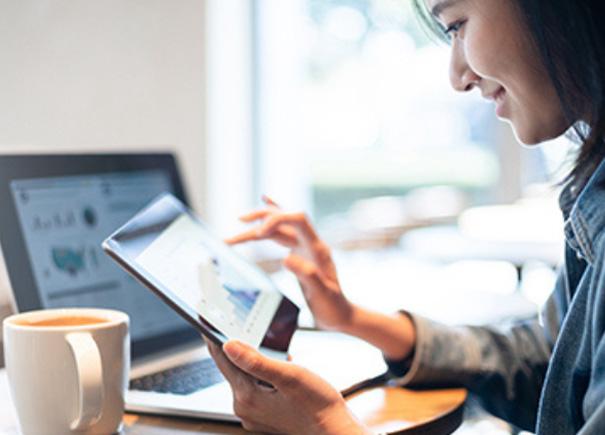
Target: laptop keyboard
x: 183, y: 379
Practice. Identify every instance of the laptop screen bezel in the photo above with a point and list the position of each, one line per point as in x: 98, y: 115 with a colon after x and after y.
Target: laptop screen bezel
x: 25, y: 293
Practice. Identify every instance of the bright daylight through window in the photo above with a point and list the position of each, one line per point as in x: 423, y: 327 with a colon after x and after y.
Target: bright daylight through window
x: 355, y: 102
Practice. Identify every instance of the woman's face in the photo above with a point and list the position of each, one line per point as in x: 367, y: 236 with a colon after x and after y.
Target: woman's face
x: 491, y: 50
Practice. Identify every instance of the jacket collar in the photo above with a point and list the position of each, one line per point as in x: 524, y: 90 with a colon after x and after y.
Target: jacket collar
x: 584, y: 213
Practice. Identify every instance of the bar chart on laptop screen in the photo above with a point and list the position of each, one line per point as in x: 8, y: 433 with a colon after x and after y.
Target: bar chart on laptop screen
x: 64, y: 220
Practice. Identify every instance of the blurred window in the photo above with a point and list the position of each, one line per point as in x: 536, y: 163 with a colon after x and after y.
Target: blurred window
x: 353, y: 101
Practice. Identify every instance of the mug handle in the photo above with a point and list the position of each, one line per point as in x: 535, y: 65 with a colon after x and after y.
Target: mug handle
x: 90, y: 379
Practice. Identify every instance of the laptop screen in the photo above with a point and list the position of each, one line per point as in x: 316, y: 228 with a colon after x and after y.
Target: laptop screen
x: 65, y: 219
x: 56, y: 212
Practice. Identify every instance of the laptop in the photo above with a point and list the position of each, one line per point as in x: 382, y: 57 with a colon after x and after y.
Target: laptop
x: 56, y: 211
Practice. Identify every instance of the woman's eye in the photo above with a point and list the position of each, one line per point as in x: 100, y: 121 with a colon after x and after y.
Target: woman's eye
x: 453, y: 29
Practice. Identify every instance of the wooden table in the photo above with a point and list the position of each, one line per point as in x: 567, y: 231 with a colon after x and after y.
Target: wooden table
x: 386, y: 409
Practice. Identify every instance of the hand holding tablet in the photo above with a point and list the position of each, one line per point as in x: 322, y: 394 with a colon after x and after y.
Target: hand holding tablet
x: 224, y: 296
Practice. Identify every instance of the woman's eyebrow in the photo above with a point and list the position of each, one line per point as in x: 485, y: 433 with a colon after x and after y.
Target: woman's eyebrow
x: 442, y: 5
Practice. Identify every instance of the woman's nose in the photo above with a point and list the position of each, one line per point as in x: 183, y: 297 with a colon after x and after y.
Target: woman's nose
x: 462, y: 77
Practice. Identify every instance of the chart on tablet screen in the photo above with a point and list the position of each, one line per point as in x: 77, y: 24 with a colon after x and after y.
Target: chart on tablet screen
x: 189, y: 263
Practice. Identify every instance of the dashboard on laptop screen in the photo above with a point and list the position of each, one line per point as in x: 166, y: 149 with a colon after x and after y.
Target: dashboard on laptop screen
x: 64, y: 220
x: 57, y: 209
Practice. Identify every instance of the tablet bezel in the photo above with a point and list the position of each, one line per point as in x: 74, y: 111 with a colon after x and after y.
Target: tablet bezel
x: 25, y: 292
x: 157, y: 217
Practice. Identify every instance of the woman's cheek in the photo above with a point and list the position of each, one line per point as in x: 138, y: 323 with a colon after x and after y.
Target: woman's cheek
x: 487, y: 55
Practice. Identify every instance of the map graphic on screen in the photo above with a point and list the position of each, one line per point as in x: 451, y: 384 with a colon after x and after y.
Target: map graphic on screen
x: 65, y: 219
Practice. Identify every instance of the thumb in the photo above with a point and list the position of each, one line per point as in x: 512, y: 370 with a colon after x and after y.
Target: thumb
x: 255, y: 364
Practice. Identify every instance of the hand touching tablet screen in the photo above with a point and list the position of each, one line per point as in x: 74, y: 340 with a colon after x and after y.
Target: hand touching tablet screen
x: 223, y: 295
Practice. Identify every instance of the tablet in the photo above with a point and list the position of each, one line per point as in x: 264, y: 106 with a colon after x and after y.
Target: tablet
x: 223, y: 295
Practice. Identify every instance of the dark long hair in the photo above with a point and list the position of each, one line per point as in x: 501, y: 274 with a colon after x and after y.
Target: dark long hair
x: 570, y: 38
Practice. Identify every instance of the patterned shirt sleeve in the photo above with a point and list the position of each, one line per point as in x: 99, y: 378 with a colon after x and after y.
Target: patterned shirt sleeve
x: 503, y: 366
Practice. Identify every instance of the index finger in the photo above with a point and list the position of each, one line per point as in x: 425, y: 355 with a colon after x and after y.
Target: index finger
x: 267, y: 200
x: 256, y: 215
x: 246, y: 236
x: 296, y: 220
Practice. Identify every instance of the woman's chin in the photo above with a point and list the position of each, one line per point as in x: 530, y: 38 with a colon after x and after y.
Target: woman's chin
x: 529, y: 140
x: 530, y: 137
x: 523, y: 135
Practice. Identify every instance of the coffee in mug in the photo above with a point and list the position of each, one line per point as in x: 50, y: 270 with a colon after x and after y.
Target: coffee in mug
x: 68, y: 370
x: 64, y: 321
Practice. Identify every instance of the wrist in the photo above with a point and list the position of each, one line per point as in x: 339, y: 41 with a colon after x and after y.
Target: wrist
x: 408, y: 346
x: 350, y: 320
x: 340, y: 420
x: 340, y: 317
x: 405, y: 346
x: 393, y: 334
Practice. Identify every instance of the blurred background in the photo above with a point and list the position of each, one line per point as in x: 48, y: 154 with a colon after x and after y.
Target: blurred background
x: 346, y: 112
x: 340, y: 108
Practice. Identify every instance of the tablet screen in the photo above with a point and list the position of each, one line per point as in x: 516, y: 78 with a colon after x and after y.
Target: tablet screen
x: 198, y: 273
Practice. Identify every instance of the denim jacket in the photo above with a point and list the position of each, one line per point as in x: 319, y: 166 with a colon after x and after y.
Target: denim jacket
x: 546, y: 374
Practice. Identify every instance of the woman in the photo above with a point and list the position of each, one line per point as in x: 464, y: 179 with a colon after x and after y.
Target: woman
x: 542, y: 63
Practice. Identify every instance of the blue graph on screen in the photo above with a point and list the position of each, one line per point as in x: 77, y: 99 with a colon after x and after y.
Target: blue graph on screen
x: 242, y: 300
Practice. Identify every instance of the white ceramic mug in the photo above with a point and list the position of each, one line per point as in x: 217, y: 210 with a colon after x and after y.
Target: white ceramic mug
x: 68, y: 370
